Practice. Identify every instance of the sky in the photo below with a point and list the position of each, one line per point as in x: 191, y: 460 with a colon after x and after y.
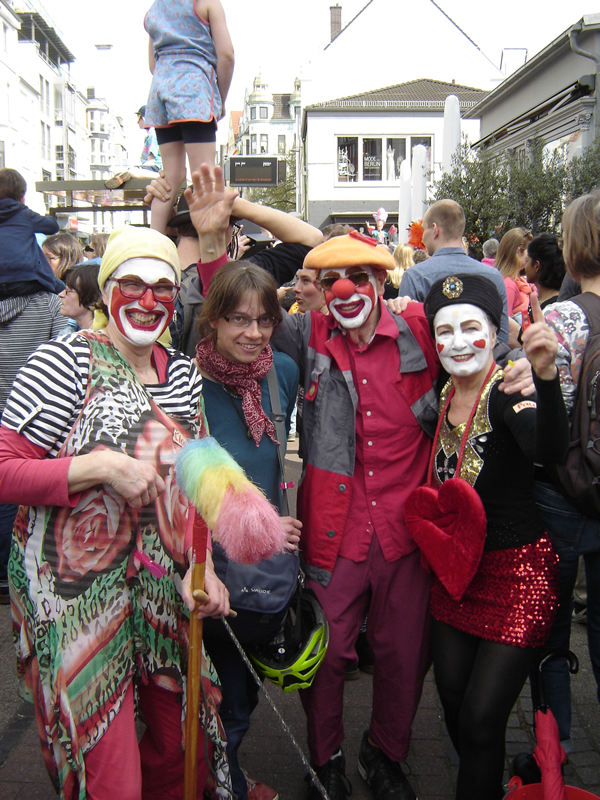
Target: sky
x: 276, y: 37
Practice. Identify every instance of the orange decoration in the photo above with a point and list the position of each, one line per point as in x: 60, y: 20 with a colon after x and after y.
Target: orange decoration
x: 415, y: 235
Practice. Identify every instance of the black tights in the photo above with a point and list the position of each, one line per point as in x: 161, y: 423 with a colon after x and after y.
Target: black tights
x: 478, y: 682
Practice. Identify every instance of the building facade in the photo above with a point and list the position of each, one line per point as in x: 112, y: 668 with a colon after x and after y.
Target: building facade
x: 50, y: 129
x: 352, y: 148
x: 554, y: 97
x: 268, y: 124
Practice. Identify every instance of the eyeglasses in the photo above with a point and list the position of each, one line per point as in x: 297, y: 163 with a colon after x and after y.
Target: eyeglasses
x: 136, y: 289
x: 265, y: 321
x: 357, y: 278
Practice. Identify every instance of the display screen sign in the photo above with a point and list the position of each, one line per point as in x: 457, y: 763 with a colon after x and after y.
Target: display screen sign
x: 252, y: 171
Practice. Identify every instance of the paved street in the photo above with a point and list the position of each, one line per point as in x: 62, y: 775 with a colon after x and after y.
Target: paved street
x: 269, y: 756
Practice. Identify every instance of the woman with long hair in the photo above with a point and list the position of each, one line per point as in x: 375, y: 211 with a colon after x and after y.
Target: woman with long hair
x: 573, y: 532
x: 63, y: 251
x: 545, y: 267
x: 403, y: 256
x: 510, y: 261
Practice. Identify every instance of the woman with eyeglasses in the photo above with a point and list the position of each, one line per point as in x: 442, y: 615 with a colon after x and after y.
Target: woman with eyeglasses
x: 98, y: 565
x: 81, y: 295
x: 235, y: 357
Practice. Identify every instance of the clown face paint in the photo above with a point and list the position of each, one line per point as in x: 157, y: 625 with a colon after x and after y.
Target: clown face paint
x: 464, y: 338
x: 141, y: 320
x: 349, y: 304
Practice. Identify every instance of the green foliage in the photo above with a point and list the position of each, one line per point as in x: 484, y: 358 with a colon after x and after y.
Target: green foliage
x: 584, y: 173
x: 529, y: 190
x: 479, y: 184
x: 282, y: 196
x: 535, y: 190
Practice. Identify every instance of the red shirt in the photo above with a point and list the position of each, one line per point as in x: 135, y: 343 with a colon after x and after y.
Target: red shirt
x: 392, y: 450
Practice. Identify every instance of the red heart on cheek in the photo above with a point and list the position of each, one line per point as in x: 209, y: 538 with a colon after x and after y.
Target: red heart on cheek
x: 440, y: 347
x: 481, y: 343
x: 449, y: 526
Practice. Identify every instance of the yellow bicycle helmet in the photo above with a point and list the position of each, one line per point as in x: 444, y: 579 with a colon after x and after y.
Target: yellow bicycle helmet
x: 292, y: 657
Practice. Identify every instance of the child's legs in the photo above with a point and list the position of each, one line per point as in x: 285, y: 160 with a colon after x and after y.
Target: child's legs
x: 172, y: 150
x: 112, y: 767
x: 200, y: 143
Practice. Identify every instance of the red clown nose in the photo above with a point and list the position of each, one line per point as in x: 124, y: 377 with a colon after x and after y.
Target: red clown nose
x: 343, y: 288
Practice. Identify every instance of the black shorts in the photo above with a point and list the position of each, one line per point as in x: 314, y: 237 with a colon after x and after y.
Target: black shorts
x: 188, y: 132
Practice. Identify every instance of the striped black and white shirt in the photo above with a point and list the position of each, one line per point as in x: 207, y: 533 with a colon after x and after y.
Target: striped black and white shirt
x: 25, y: 324
x: 49, y: 391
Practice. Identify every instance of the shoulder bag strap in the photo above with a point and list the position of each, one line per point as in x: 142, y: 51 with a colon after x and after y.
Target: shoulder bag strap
x: 278, y: 418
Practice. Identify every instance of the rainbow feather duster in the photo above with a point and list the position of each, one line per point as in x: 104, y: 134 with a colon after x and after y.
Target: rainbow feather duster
x: 239, y: 515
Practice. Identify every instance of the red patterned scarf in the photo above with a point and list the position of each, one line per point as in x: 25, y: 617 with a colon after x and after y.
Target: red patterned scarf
x: 243, y: 380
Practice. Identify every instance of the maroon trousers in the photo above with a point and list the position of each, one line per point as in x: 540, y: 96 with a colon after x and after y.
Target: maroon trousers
x: 395, y: 596
x: 119, y: 767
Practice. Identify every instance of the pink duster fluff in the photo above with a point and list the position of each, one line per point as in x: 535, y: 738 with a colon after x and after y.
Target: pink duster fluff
x: 239, y: 515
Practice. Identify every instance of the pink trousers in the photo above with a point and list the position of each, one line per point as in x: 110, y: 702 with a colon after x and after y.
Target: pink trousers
x: 395, y: 596
x: 120, y: 767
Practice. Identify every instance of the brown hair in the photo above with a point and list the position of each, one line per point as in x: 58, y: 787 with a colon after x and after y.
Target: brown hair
x: 12, y: 184
x: 227, y: 288
x: 506, y: 258
x: 84, y: 279
x: 67, y: 248
x: 581, y: 236
x: 449, y: 216
x: 98, y: 243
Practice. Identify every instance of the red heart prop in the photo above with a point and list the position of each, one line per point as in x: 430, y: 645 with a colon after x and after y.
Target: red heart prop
x: 449, y: 525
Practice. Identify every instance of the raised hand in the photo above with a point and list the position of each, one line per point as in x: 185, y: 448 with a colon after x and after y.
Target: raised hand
x: 210, y: 202
x: 539, y: 343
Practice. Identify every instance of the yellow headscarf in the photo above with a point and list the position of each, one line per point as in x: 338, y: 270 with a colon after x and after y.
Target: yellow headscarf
x: 130, y: 242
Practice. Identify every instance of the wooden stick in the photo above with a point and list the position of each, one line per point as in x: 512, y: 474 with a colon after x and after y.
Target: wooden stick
x: 194, y: 669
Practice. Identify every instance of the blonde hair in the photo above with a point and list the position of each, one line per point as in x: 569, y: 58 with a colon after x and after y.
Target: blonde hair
x: 403, y: 256
x: 506, y: 258
x: 67, y: 248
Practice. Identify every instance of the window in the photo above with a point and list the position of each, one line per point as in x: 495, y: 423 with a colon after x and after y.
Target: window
x: 252, y: 112
x: 377, y: 158
x: 347, y: 158
x: 264, y: 143
x: 281, y: 144
x: 395, y: 154
x: 264, y: 112
x: 2, y: 154
x: 426, y: 142
x: 253, y: 144
x: 372, y: 159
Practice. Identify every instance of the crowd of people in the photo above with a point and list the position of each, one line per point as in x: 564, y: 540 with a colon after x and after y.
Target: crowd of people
x: 433, y: 395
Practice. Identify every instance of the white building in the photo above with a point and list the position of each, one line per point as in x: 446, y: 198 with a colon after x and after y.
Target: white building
x: 48, y: 128
x: 268, y: 124
x: 352, y: 148
x: 554, y: 97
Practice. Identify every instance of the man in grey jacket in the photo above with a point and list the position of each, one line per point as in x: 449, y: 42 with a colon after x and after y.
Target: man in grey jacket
x: 443, y: 228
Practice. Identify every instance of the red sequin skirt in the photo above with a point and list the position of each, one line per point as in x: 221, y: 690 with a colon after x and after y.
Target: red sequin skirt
x: 512, y: 599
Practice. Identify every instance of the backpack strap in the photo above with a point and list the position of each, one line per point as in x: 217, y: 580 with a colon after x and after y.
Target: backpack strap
x: 278, y: 418
x: 590, y: 305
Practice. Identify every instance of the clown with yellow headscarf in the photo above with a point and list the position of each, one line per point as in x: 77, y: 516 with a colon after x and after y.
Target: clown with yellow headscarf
x: 99, y: 566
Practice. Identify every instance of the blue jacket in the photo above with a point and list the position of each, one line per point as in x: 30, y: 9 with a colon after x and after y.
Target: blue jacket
x: 419, y: 279
x: 21, y: 257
